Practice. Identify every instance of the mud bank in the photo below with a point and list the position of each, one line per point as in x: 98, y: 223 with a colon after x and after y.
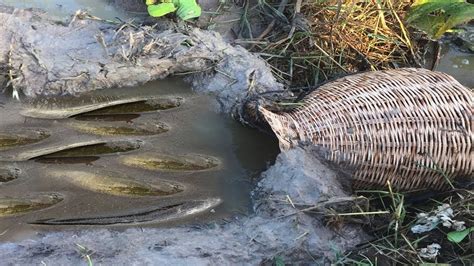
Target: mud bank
x: 43, y: 56
x: 47, y: 57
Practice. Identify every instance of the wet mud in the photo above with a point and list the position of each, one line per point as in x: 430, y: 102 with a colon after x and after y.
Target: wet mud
x: 88, y: 54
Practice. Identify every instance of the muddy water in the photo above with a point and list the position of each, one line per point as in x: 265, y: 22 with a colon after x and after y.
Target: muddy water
x: 140, y: 164
x: 457, y: 63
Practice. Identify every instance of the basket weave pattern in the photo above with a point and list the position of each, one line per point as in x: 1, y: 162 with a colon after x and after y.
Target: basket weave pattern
x: 412, y: 127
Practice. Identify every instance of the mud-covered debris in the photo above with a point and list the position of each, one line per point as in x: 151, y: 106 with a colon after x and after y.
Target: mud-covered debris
x: 430, y: 252
x: 125, y: 55
x: 429, y: 221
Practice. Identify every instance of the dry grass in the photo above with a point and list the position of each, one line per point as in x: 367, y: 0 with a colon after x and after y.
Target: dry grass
x: 330, y: 38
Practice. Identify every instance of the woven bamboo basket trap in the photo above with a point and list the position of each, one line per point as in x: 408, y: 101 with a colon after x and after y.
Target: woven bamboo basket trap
x: 412, y: 127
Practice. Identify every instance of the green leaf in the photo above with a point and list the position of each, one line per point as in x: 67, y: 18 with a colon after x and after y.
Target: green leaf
x: 458, y: 236
x: 435, y: 17
x: 279, y: 261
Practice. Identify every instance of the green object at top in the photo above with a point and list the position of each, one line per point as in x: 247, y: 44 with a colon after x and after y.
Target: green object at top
x: 185, y: 9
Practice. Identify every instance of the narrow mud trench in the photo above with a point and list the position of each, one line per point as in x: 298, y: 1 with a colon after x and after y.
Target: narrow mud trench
x: 164, y: 157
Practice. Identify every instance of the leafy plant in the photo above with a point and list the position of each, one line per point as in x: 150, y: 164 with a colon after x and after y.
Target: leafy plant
x: 435, y: 17
x: 458, y: 236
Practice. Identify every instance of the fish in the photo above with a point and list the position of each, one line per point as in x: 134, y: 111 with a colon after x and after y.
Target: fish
x: 167, y: 162
x: 16, y: 206
x: 150, y: 215
x: 117, y: 184
x: 104, y: 106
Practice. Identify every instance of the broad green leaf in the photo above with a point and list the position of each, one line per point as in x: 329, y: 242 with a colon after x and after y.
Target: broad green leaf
x: 435, y: 17
x: 421, y: 2
x: 458, y: 236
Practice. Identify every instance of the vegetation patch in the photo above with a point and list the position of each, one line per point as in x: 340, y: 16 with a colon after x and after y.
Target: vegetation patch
x: 310, y: 42
x: 439, y: 16
x: 418, y: 227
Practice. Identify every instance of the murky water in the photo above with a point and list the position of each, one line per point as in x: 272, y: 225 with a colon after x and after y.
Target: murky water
x: 458, y: 64
x: 136, y: 164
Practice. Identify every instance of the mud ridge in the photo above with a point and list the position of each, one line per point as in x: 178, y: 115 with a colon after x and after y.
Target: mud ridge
x: 49, y: 57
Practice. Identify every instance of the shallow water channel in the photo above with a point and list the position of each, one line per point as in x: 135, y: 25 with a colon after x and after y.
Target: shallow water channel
x: 158, y: 155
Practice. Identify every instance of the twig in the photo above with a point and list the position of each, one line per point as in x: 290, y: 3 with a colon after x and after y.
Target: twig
x: 293, y: 23
x: 101, y: 40
x: 330, y: 57
x: 270, y: 26
x: 15, y: 94
x: 302, y: 235
x: 291, y: 202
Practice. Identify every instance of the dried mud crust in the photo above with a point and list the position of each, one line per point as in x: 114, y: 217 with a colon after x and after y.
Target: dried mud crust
x: 48, y: 57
